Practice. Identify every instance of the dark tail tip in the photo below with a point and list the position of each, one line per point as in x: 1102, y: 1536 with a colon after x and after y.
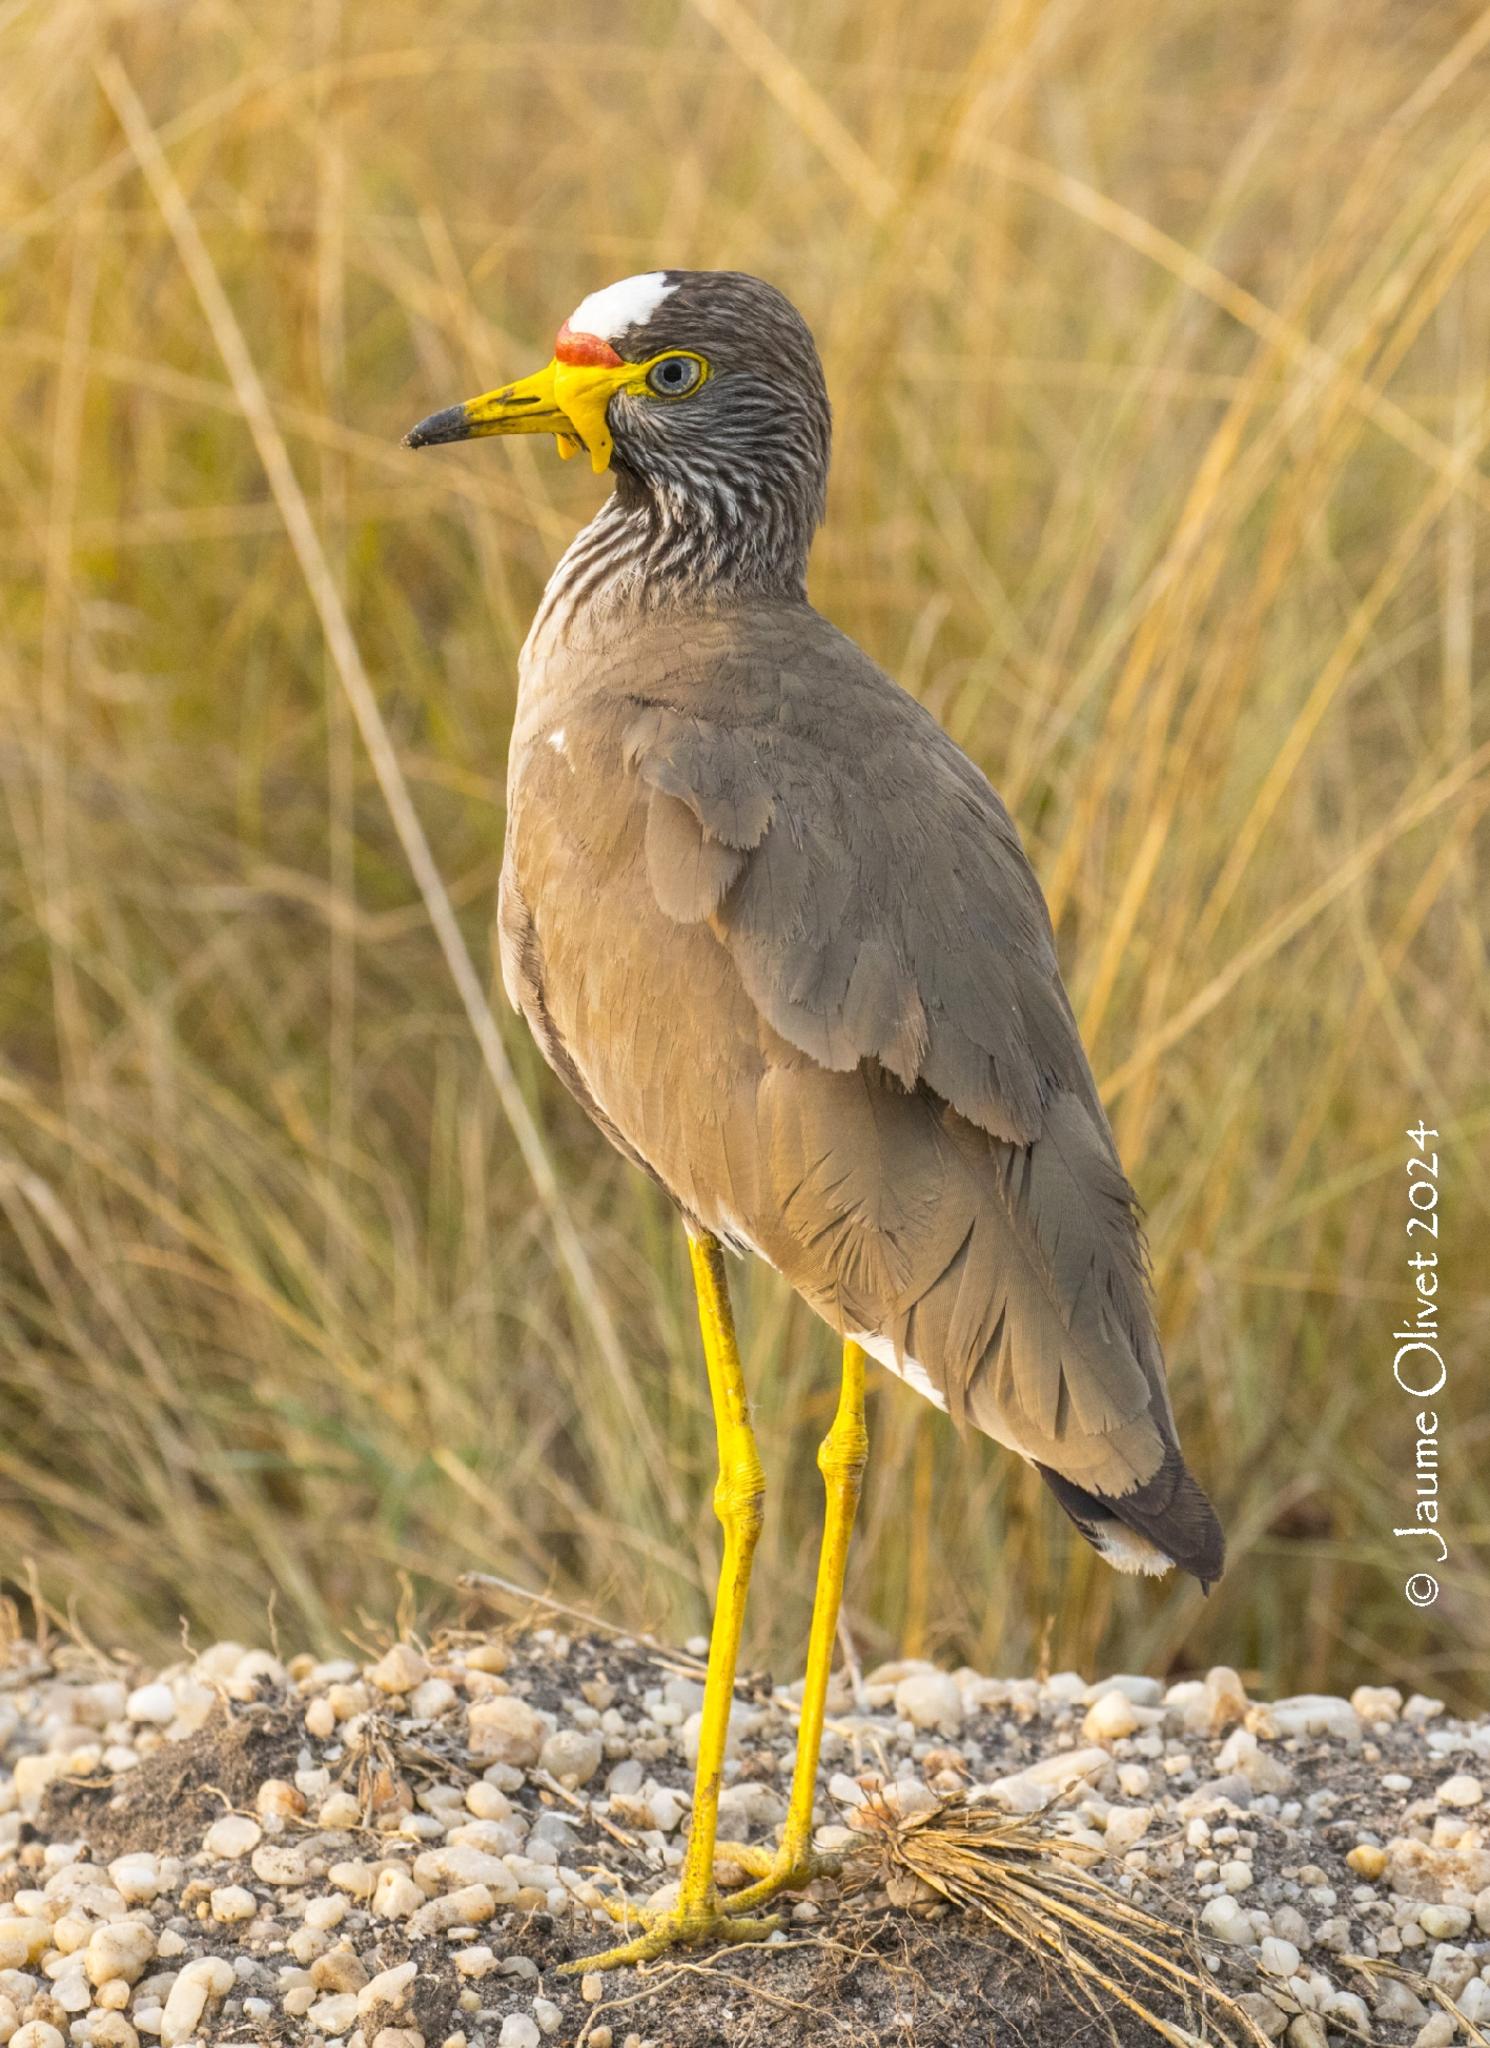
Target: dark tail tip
x: 1170, y: 1511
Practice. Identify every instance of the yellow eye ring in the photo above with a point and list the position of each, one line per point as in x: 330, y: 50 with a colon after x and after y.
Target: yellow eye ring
x: 678, y: 374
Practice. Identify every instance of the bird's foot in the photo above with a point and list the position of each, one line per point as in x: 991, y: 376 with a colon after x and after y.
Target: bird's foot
x: 675, y: 1926
x: 715, y: 1919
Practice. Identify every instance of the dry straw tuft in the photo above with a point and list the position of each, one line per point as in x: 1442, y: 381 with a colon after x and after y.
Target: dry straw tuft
x: 1037, y: 1889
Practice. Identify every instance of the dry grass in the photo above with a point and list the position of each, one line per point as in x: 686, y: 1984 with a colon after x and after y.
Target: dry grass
x: 1037, y: 1889
x: 1159, y: 338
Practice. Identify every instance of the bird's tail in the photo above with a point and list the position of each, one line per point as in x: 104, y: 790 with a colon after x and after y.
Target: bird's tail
x: 1166, y: 1521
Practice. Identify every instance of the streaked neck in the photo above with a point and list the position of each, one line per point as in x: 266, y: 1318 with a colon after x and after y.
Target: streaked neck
x: 651, y: 546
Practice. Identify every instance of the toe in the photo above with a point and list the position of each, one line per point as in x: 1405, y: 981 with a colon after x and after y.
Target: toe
x: 675, y: 1929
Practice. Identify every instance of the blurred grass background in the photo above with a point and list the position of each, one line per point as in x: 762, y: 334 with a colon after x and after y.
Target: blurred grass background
x: 1160, y: 344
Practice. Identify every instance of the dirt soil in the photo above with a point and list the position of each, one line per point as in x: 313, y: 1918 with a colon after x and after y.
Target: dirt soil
x: 390, y: 1764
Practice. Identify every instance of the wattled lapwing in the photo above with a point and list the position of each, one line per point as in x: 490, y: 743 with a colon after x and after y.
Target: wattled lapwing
x: 779, y: 936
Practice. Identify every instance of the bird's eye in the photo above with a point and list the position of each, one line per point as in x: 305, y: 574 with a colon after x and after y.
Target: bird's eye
x: 673, y: 376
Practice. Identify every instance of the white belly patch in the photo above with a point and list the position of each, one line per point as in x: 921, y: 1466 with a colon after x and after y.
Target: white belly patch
x: 910, y: 1370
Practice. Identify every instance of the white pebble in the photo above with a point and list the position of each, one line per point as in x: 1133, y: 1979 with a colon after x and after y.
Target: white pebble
x: 136, y: 1877
x: 71, y: 1990
x: 152, y: 1703
x: 668, y: 1807
x: 232, y: 1835
x: 278, y: 1799
x: 1311, y: 1713
x: 399, y: 1671
x: 279, y: 1863
x: 1345, y: 2005
x: 210, y: 1977
x: 1226, y: 1920
x: 487, y: 1802
x: 334, y: 2014
x: 434, y: 1697
x: 32, y: 1775
x: 1110, y: 1718
x: 1126, y: 1825
x: 1144, y: 1692
x: 1306, y: 2030
x: 1033, y: 1788
x: 1397, y: 2002
x: 305, y: 1944
x: 1444, y: 1923
x: 119, y: 1950
x: 389, y: 1987
x: 505, y: 1730
x: 396, y: 1896
x: 1221, y: 1700
x: 476, y: 1962
x: 1377, y: 1703
x: 1474, y: 2001
x: 572, y: 1755
x: 930, y: 1699
x: 111, y: 2030
x: 547, y: 2014
x: 471, y: 1906
x: 449, y: 1868
x: 231, y: 1902
x: 518, y: 2031
x: 1436, y: 2032
x: 340, y: 1809
x: 23, y: 1940
x: 1461, y: 1790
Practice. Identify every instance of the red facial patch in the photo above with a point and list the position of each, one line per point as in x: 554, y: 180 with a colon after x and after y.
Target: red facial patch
x: 584, y: 348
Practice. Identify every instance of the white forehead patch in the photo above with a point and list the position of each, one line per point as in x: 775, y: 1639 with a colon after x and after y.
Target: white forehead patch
x: 631, y: 303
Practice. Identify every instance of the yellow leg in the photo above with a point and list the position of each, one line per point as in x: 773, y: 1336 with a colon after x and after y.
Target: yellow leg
x: 841, y: 1459
x: 739, y: 1496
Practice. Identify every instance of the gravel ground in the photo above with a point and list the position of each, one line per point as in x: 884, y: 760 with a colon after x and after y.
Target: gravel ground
x: 398, y: 1853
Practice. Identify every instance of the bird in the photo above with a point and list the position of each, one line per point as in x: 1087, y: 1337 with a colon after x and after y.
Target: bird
x: 780, y: 938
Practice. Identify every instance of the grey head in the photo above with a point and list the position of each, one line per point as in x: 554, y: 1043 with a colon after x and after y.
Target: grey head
x: 702, y: 390
x: 751, y: 439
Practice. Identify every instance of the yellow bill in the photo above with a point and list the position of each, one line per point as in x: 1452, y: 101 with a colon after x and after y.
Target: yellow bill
x: 567, y: 400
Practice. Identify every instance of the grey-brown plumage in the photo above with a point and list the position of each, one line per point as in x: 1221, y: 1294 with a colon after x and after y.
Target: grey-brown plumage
x: 779, y: 936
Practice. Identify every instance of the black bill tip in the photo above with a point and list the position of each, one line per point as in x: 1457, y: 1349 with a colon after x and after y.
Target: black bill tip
x: 450, y: 425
